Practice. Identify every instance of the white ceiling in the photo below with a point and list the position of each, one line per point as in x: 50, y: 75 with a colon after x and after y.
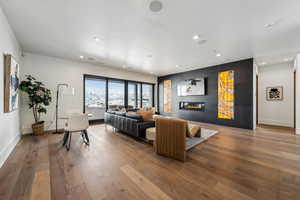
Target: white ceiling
x: 129, y: 33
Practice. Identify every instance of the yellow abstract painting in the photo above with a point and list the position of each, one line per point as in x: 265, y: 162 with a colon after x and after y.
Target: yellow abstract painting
x: 226, y: 95
x: 167, y: 96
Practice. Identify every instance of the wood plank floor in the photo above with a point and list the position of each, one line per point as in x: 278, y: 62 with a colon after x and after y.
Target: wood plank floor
x: 235, y: 164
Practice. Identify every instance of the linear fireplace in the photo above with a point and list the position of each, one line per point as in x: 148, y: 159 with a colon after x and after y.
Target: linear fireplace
x: 196, y: 106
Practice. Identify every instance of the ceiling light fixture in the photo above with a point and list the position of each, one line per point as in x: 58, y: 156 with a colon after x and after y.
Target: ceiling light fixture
x: 81, y: 57
x: 270, y: 25
x: 218, y: 54
x: 96, y: 39
x: 196, y: 37
x: 155, y: 6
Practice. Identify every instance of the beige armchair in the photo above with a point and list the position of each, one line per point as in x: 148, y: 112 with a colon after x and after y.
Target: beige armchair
x: 171, y: 138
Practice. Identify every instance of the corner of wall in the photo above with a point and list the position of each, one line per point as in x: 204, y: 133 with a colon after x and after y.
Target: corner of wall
x: 4, y: 154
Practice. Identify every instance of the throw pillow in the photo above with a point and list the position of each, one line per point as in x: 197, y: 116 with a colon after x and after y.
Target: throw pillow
x: 147, y: 115
x: 193, y: 130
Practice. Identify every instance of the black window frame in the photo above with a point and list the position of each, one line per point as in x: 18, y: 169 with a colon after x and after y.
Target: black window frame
x: 152, y: 98
x: 125, y: 91
x: 136, y: 92
x: 126, y: 82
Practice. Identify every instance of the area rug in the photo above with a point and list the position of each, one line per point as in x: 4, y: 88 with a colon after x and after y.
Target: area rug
x: 205, y: 135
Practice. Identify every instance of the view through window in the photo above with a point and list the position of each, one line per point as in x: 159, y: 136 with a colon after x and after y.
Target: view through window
x: 95, y: 94
x: 116, y: 94
x: 132, y: 98
x: 147, y: 95
x: 139, y: 95
x: 103, y: 93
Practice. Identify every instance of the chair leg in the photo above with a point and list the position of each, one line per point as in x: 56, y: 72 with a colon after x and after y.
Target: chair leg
x: 86, y: 137
x: 69, y: 142
x: 65, y: 139
x: 82, y: 135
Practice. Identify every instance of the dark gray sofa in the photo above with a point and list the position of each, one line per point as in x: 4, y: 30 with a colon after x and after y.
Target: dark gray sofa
x: 131, y: 124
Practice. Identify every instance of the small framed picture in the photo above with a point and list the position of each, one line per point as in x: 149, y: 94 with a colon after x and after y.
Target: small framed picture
x: 275, y: 93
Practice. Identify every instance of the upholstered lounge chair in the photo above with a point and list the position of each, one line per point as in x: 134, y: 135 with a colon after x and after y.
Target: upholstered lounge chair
x: 171, y: 140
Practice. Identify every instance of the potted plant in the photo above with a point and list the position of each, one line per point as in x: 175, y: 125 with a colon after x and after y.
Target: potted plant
x: 39, y: 98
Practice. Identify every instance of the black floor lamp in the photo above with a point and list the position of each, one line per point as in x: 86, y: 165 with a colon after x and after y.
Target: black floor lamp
x: 56, y: 109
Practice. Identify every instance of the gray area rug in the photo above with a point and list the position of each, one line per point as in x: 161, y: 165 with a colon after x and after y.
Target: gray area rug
x: 205, y: 134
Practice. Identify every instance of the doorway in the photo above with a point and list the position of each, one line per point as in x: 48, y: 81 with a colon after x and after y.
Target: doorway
x: 281, y: 112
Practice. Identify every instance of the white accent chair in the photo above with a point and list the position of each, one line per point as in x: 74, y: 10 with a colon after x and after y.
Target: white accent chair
x: 76, y: 123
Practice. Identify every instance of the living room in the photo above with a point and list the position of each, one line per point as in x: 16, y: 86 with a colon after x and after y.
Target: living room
x: 149, y: 100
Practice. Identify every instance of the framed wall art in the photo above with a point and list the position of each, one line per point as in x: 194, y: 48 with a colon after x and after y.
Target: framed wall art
x: 226, y: 95
x: 167, y: 96
x: 274, y: 93
x: 11, y: 84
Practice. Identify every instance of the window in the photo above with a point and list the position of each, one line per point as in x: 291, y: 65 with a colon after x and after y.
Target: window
x: 103, y: 93
x: 132, y: 95
x: 95, y: 95
x: 116, y: 94
x: 147, y: 95
x: 139, y: 96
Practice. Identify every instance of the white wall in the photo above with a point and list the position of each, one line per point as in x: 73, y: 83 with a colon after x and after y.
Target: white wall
x: 9, y: 122
x: 52, y: 71
x: 280, y: 113
x: 297, y: 67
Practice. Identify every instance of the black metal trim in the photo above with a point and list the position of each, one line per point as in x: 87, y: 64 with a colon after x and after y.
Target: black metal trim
x: 117, y: 79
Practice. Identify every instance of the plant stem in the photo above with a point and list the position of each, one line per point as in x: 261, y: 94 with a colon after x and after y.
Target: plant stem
x: 33, y: 111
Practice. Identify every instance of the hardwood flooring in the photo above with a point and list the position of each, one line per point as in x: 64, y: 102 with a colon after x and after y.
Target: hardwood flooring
x: 234, y: 164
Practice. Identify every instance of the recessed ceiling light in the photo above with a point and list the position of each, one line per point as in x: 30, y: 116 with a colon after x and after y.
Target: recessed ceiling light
x: 196, y: 37
x: 218, y: 54
x: 156, y: 6
x: 177, y: 66
x: 97, y: 39
x: 270, y: 25
x: 81, y: 57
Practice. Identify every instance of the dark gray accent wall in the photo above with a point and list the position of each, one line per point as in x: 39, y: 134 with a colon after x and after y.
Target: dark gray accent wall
x: 243, y: 83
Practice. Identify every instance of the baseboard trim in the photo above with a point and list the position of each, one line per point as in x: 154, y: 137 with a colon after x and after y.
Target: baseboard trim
x: 61, y: 130
x: 275, y: 123
x: 4, y: 154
